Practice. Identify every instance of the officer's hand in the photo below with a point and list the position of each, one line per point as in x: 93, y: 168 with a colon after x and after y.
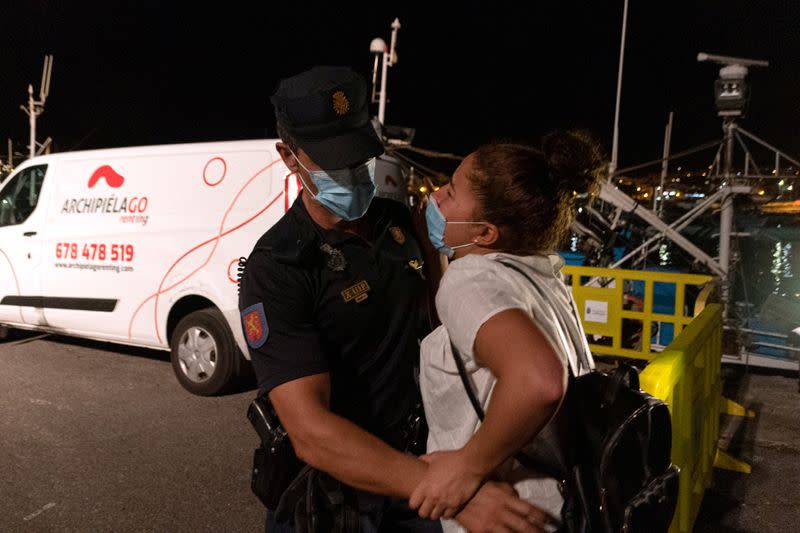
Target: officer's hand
x: 496, y: 507
x: 448, y: 484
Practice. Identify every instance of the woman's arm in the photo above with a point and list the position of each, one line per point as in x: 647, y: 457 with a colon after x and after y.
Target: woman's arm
x: 530, y: 384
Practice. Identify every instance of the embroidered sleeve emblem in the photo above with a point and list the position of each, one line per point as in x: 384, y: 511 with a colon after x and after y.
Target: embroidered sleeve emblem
x: 254, y: 323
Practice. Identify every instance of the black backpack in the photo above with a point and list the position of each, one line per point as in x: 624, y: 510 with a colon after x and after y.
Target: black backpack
x: 613, y: 457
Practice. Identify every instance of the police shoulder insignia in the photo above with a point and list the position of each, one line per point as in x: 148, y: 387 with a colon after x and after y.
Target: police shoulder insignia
x: 254, y: 323
x: 341, y: 104
x: 398, y: 235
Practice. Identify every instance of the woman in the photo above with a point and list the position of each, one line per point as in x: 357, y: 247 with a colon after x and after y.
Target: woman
x: 499, y: 220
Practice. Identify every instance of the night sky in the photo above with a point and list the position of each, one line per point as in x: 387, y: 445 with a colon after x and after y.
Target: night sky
x: 133, y: 73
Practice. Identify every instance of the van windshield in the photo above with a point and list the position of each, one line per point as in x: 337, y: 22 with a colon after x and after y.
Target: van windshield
x: 20, y: 195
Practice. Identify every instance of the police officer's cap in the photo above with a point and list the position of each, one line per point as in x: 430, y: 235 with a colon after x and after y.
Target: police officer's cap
x: 325, y: 110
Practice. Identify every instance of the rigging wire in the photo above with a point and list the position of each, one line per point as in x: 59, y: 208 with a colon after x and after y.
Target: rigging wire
x: 676, y: 155
x: 425, y: 152
x: 418, y: 165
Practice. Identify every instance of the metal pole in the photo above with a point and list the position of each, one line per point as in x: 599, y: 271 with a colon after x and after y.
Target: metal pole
x: 658, y: 206
x: 612, y: 167
x: 726, y: 215
x: 382, y: 99
x: 388, y: 59
x: 32, y: 120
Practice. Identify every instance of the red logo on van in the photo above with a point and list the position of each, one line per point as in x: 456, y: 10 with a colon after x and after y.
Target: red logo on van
x: 109, y: 174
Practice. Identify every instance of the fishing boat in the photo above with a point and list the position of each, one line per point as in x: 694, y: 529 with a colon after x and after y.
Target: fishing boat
x: 666, y: 228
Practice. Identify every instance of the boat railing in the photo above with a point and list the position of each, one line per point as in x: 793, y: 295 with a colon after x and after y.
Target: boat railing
x: 635, y: 313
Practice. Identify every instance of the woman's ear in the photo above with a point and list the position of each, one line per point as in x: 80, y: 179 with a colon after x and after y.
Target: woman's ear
x: 488, y: 236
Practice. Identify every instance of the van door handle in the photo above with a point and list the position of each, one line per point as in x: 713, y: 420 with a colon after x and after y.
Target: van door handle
x: 29, y: 234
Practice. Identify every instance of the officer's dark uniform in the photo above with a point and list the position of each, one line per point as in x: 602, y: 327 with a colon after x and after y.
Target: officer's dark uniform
x: 316, y: 300
x: 335, y: 303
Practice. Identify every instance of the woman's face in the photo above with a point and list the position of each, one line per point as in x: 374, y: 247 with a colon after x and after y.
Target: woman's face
x: 458, y: 203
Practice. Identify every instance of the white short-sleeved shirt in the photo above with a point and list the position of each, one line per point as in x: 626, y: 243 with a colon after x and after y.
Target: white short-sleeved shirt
x: 473, y: 289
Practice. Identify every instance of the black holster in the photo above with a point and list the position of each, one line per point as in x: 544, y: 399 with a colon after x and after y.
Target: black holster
x: 415, y: 431
x: 275, y: 464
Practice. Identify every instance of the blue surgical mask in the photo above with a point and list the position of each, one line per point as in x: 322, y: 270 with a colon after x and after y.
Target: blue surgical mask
x: 345, y: 192
x: 436, y: 225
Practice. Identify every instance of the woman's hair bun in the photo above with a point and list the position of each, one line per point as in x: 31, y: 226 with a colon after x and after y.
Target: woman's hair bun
x: 574, y: 159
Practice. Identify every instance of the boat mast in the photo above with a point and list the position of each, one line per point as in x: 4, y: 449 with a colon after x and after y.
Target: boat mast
x: 730, y: 96
x: 386, y: 55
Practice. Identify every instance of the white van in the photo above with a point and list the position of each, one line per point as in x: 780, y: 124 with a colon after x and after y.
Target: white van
x: 141, y: 246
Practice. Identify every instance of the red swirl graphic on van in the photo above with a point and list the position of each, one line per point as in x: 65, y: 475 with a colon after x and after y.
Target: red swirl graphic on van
x: 113, y: 179
x: 213, y: 241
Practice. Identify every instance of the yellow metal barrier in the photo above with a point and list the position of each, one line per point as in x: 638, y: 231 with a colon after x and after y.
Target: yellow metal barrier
x: 687, y: 376
x: 617, y: 322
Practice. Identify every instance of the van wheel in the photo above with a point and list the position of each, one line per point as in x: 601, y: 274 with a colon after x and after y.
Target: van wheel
x: 203, y: 353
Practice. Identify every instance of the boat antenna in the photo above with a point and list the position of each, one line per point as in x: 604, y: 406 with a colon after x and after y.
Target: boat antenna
x: 36, y: 107
x: 731, y: 90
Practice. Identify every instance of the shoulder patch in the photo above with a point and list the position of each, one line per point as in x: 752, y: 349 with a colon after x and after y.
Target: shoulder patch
x: 254, y: 324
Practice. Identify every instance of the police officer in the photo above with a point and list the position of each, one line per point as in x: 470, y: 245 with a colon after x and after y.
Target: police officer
x: 329, y: 301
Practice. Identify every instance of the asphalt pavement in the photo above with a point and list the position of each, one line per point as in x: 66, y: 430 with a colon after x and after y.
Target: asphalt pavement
x: 766, y: 500
x: 97, y: 437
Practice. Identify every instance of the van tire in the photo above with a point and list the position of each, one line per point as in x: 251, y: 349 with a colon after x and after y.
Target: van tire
x: 203, y: 353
